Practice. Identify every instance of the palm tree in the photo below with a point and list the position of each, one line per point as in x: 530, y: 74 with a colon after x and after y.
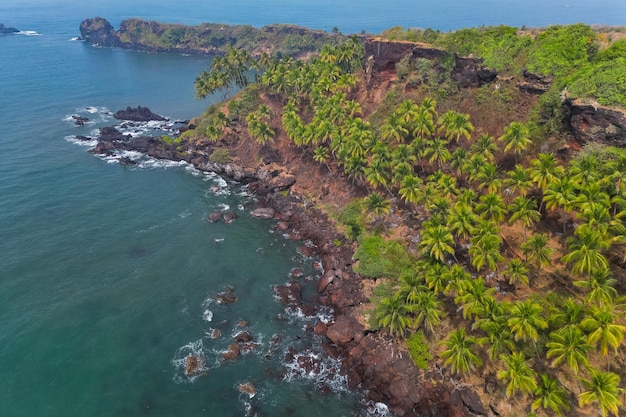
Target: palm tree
x: 526, y: 320
x: 462, y: 220
x: 411, y: 189
x: 518, y: 180
x: 377, y: 174
x: 569, y: 314
x: 320, y: 154
x: 593, y: 193
x: 437, y: 242
x: 516, y: 271
x: 536, y: 249
x: 454, y: 125
x: 560, y: 193
x: 376, y: 205
x: 515, y: 137
x: 492, y: 207
x: 473, y: 297
x: 457, y: 159
x: 545, y: 169
x: 603, y: 330
x: 602, y: 388
x: 550, y: 394
x: 394, y: 129
x: 489, y: 178
x: 436, y: 276
x: 457, y: 279
x: 429, y: 311
x: 600, y: 288
x: 438, y: 151
x: 392, y: 312
x: 584, y: 169
x: 485, y: 145
x: 486, y: 252
x: 498, y: 337
x: 584, y: 251
x: 459, y: 353
x: 569, y: 346
x: 518, y: 374
x: 524, y: 209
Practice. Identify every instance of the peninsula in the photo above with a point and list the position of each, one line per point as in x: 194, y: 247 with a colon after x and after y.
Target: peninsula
x: 465, y: 193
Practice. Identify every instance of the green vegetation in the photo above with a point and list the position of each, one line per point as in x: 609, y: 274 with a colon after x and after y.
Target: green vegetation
x: 518, y: 251
x: 220, y: 156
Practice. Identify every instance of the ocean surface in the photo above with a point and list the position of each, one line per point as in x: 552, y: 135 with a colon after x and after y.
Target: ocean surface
x: 109, y: 274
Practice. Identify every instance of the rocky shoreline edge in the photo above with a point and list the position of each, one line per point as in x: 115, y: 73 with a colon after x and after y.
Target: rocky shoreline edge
x: 373, y: 363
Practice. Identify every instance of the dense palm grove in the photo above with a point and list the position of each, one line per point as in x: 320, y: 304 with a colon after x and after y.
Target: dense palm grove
x: 536, y: 308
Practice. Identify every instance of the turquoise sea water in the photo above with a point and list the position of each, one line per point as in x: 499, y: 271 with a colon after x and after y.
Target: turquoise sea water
x: 108, y: 274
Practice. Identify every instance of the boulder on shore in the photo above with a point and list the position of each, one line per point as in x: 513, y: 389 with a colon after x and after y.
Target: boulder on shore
x: 138, y: 114
x: 263, y: 213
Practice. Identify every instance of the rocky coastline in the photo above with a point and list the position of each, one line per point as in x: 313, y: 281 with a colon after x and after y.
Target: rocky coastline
x: 375, y: 364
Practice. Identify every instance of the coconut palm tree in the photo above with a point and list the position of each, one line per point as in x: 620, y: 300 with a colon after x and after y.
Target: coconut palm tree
x: 545, y: 169
x: 600, y: 288
x: 498, y: 337
x: 603, y: 330
x: 488, y: 178
x: 393, y: 313
x: 462, y: 220
x: 429, y: 311
x: 437, y: 151
x: 526, y: 320
x: 518, y: 180
x: 459, y: 353
x: 437, y: 242
x: 585, y: 251
x: 455, y: 125
x: 394, y: 129
x: 569, y: 314
x: 473, y: 297
x: 485, y: 145
x: 457, y: 279
x: 486, y: 252
x: 524, y: 210
x: 516, y: 137
x: 457, y: 159
x: 584, y: 169
x: 569, y: 346
x: 551, y: 395
x: 518, y: 375
x: 602, y: 388
x: 536, y: 249
x: 516, y: 271
x: 411, y: 189
x: 436, y: 276
x: 492, y: 207
x: 560, y: 193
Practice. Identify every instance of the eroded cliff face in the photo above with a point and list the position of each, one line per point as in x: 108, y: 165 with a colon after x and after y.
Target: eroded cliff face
x: 382, y: 55
x: 590, y: 121
x: 98, y: 31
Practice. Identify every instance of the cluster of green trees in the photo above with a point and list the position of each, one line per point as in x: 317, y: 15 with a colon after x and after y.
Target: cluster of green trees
x: 437, y: 169
x: 571, y: 54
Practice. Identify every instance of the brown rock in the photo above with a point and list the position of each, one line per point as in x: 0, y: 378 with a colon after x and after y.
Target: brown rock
x: 320, y: 328
x: 243, y: 337
x: 282, y: 226
x: 214, y: 217
x: 290, y: 294
x: 247, y: 388
x: 231, y: 353
x: 308, y: 251
x: 194, y: 365
x: 325, y: 281
x: 263, y: 213
x: 343, y: 330
x: 230, y: 216
x: 227, y: 297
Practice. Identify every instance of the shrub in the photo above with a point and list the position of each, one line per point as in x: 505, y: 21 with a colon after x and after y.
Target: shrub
x: 381, y: 258
x: 220, y: 156
x: 418, y: 350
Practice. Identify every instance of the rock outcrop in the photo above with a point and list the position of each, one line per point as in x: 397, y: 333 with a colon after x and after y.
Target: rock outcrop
x: 589, y: 121
x: 138, y: 114
x: 382, y: 55
x: 535, y: 83
x: 4, y: 30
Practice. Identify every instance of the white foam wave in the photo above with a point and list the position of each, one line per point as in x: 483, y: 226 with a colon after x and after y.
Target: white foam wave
x: 377, y: 410
x: 318, y: 368
x: 223, y: 207
x: 72, y: 139
x: 179, y: 361
x: 207, y: 315
x: 75, y: 38
x: 28, y: 33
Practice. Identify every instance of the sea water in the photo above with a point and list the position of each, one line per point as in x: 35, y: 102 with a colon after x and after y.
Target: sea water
x: 109, y: 274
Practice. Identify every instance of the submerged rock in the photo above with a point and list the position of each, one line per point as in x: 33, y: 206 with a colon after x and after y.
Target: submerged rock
x: 214, y: 217
x: 230, y: 216
x: 247, y: 388
x: 232, y: 352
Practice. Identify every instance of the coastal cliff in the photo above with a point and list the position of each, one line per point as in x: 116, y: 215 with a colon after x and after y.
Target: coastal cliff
x: 207, y: 38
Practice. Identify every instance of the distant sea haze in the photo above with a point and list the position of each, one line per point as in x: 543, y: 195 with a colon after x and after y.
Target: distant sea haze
x: 109, y: 274
x: 349, y: 16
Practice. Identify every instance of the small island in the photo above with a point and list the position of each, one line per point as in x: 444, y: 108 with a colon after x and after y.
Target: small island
x: 4, y: 30
x: 466, y: 194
